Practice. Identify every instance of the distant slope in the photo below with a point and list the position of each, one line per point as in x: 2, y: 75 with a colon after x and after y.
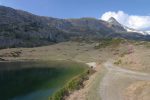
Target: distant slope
x: 19, y: 28
x: 22, y: 29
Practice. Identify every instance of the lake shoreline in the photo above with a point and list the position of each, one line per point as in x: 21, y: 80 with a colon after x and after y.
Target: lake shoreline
x: 76, y: 67
x: 76, y: 83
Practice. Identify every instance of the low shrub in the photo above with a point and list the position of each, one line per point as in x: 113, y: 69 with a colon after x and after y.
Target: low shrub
x: 118, y: 62
x: 109, y: 42
x: 75, y: 84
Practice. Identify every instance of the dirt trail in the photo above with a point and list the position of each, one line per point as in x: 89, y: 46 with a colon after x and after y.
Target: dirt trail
x: 117, y: 80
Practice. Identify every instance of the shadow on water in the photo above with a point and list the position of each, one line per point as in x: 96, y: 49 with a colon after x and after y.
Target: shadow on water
x: 35, y: 80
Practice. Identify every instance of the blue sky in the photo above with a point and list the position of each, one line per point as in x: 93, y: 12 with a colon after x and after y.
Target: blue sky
x: 79, y: 8
x: 132, y: 13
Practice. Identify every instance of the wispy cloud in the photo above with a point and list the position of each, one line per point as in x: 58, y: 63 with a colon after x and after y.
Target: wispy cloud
x: 132, y: 21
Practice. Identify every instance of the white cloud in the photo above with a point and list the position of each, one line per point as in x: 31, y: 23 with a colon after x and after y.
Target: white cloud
x: 132, y: 21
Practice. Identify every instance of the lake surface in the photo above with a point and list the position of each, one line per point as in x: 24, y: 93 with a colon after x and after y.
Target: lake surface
x: 35, y: 80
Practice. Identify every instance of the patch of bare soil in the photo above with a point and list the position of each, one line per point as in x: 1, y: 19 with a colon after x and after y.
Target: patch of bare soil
x: 138, y: 91
x: 135, y: 58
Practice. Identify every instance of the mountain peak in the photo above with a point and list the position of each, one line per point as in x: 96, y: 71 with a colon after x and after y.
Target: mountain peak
x: 113, y: 21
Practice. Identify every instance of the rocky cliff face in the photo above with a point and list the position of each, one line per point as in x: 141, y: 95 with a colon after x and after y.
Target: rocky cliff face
x: 20, y: 28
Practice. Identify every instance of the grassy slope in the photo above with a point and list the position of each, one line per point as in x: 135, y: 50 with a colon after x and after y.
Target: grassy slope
x: 86, y: 52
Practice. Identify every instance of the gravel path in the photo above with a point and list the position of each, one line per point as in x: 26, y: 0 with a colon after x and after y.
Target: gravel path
x: 117, y: 79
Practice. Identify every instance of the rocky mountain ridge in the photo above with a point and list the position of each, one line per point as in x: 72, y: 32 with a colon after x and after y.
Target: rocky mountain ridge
x: 23, y: 29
